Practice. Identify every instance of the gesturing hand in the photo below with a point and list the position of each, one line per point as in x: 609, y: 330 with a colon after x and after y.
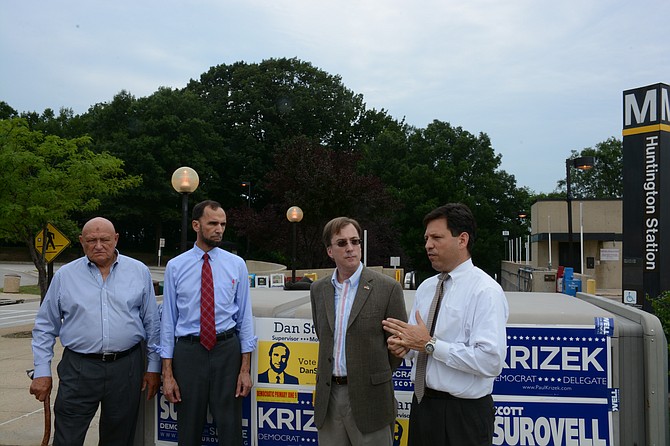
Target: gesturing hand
x: 408, y: 336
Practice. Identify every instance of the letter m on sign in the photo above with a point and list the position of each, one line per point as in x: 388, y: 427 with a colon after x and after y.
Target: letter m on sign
x: 632, y: 109
x: 646, y: 106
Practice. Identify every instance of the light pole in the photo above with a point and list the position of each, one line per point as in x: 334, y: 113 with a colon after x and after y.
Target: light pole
x: 185, y: 181
x: 581, y: 163
x: 247, y: 184
x: 523, y: 215
x: 294, y: 215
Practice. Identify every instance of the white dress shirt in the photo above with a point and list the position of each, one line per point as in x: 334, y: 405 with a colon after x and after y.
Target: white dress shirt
x: 470, y: 332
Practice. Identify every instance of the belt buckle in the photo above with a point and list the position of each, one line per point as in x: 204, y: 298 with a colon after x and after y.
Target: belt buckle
x: 108, y: 357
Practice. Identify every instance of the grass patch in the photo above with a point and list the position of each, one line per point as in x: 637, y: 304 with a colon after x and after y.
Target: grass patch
x: 27, y: 289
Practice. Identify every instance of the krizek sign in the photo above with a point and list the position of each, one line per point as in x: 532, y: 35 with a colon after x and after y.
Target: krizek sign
x: 567, y: 362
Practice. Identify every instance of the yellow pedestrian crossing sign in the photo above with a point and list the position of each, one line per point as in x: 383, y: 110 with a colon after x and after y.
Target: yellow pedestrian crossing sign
x: 56, y: 242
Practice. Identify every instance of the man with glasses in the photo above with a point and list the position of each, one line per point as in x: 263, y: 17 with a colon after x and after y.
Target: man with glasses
x: 354, y: 402
x: 101, y: 306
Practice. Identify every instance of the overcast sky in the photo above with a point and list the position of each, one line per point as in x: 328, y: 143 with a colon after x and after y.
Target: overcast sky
x: 539, y: 77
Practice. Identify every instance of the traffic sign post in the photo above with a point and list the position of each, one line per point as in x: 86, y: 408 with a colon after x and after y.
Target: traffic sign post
x: 55, y: 241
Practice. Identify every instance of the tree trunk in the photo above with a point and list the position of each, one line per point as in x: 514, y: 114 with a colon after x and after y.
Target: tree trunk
x: 41, y: 265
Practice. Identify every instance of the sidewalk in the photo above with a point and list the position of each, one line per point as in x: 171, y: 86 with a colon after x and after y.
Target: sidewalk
x: 21, y: 415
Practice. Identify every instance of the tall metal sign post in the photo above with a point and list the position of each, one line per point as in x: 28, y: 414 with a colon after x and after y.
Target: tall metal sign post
x: 646, y: 202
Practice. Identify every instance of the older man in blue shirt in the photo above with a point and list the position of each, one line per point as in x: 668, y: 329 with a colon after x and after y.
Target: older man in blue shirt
x: 102, y: 306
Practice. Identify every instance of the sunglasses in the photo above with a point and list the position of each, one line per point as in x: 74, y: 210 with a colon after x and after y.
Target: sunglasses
x: 342, y: 242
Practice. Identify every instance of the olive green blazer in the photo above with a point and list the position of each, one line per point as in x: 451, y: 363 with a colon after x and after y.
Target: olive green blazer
x: 370, y: 365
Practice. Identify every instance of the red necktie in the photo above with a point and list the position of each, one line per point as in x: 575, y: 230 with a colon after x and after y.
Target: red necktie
x: 207, y: 326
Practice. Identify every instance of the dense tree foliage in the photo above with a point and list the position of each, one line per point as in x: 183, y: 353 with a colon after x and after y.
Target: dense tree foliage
x: 301, y: 138
x: 605, y: 179
x: 324, y: 183
x: 46, y: 179
x: 442, y: 164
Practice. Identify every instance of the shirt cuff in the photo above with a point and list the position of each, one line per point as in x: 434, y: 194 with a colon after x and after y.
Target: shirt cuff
x: 154, y: 367
x: 248, y: 346
x: 42, y: 370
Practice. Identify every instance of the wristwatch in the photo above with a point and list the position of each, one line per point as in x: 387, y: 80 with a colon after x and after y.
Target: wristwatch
x: 430, y: 346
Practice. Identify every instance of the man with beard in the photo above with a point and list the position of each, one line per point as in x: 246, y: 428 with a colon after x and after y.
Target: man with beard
x: 276, y: 374
x: 207, y: 332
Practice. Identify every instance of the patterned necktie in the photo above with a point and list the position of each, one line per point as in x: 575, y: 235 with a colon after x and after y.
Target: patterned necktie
x: 207, y: 327
x: 422, y: 359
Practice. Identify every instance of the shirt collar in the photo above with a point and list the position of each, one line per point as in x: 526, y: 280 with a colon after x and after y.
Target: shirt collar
x: 353, y: 280
x: 116, y: 260
x: 212, y: 253
x: 461, y: 269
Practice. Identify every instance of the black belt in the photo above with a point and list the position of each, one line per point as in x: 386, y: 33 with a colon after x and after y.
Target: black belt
x: 108, y: 357
x: 438, y: 394
x: 219, y: 336
x: 341, y: 380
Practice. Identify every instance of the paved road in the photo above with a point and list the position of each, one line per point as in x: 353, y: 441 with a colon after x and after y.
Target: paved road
x: 26, y: 271
x: 18, y: 314
x: 15, y: 314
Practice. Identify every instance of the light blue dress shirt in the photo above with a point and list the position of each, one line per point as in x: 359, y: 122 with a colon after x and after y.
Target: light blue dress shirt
x: 95, y: 316
x: 181, y: 298
x: 342, y: 318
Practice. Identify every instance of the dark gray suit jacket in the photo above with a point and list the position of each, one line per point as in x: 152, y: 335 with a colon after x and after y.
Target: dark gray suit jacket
x: 369, y: 363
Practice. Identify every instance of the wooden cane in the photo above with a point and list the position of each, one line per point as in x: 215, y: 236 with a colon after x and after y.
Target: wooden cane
x: 47, y: 413
x: 47, y: 422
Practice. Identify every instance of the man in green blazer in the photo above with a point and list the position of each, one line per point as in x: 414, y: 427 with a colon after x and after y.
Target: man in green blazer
x: 354, y: 402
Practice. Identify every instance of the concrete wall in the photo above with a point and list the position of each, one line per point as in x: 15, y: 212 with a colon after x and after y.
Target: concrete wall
x: 602, y: 225
x: 266, y: 268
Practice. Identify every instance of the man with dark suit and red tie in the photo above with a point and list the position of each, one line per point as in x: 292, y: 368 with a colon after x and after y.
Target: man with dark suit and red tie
x: 354, y: 402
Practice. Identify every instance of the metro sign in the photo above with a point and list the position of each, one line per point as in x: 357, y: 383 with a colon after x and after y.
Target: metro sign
x: 644, y: 107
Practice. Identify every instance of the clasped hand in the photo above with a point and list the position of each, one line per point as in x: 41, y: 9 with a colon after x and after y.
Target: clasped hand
x: 405, y: 336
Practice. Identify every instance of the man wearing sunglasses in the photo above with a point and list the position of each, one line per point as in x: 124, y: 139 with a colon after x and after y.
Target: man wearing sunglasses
x: 354, y: 402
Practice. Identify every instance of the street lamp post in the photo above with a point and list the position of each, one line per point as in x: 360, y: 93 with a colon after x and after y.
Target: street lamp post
x: 581, y: 163
x: 294, y: 215
x: 247, y: 184
x: 185, y: 181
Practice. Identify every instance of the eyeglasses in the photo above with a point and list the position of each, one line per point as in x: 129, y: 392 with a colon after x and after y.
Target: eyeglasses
x: 343, y: 242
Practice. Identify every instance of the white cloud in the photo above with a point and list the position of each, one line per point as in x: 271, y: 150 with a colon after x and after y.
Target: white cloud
x: 541, y: 78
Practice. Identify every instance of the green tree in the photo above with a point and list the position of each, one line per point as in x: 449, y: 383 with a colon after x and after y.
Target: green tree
x: 324, y: 183
x: 46, y: 179
x: 605, y: 179
x: 425, y: 168
x: 661, y: 307
x: 154, y: 136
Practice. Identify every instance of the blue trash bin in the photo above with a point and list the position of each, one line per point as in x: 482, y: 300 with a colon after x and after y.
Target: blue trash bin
x: 572, y: 286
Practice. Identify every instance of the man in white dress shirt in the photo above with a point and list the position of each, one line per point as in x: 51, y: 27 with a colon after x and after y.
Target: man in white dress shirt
x: 462, y: 344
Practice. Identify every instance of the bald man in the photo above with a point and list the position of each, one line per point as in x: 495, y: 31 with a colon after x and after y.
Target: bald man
x: 102, y: 306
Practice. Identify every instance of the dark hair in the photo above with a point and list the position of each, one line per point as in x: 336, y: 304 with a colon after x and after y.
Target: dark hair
x: 279, y: 344
x: 199, y: 208
x: 335, y: 225
x: 459, y: 219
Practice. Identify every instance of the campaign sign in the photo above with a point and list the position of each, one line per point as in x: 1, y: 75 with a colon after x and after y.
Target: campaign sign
x: 558, y: 421
x: 166, y: 423
x: 402, y: 377
x: 401, y: 425
x: 288, y: 351
x: 556, y: 361
x: 284, y: 417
